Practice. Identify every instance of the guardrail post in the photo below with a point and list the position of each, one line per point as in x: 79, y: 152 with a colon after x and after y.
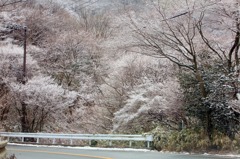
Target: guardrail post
x: 54, y: 140
x: 71, y: 142
x: 89, y: 142
x: 22, y: 139
x: 37, y: 140
x: 130, y: 143
x: 149, y: 140
x: 110, y: 143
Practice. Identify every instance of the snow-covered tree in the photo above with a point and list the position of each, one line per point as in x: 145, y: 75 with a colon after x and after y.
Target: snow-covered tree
x: 196, y: 36
x: 70, y: 62
x: 9, y: 3
x: 44, y: 102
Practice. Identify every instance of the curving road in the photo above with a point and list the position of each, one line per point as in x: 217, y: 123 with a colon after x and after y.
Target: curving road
x: 26, y: 152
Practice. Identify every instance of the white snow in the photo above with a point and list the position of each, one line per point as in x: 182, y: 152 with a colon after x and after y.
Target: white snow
x: 86, y: 148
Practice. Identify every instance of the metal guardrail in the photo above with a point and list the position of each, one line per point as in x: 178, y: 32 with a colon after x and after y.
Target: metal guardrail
x: 108, y: 137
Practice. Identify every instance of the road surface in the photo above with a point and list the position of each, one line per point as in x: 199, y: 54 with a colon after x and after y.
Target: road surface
x: 26, y: 152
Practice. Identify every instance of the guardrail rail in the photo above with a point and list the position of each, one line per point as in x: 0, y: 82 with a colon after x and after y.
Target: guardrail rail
x: 108, y: 137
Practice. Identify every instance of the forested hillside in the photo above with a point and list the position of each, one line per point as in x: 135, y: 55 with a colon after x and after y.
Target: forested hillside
x: 165, y: 67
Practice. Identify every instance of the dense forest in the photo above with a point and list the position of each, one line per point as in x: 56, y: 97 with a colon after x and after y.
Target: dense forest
x: 165, y: 67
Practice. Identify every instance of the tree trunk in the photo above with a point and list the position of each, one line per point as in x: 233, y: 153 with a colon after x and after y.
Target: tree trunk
x: 208, y: 122
x: 201, y: 84
x: 209, y: 125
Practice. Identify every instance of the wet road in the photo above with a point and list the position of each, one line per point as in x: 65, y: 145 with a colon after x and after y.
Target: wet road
x: 25, y: 152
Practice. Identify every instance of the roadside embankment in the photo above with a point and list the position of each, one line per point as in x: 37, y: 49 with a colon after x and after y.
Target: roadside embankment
x: 3, y: 152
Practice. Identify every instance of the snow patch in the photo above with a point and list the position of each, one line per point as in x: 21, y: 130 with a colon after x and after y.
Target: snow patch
x: 85, y: 148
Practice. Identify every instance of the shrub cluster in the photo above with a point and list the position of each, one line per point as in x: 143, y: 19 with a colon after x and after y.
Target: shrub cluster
x: 193, y: 140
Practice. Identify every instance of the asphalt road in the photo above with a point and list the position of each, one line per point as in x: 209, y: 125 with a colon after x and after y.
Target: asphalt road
x: 25, y: 152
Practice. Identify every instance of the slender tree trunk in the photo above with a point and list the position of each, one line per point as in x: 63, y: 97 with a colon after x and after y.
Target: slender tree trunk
x: 237, y: 50
x: 201, y: 84
x: 208, y: 123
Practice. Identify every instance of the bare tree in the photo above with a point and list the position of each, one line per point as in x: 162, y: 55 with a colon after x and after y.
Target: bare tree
x: 4, y: 3
x: 97, y: 23
x: 188, y: 39
x: 10, y: 4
